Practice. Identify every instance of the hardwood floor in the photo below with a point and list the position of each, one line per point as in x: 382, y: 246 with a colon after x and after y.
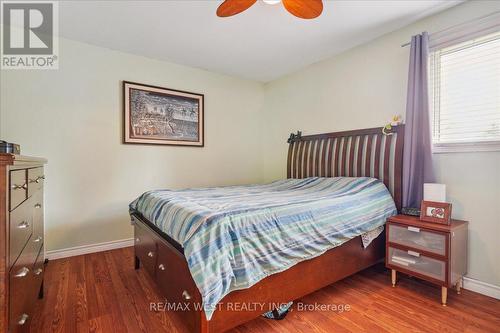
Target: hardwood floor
x: 102, y: 292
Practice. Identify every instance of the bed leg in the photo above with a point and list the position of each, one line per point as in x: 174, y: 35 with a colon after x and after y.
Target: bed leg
x: 137, y: 262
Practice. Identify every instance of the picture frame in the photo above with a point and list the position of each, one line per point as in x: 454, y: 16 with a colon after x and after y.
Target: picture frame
x: 435, y: 212
x: 162, y: 116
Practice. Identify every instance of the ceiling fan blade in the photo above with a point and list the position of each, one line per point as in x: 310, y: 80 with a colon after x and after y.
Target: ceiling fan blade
x: 306, y: 9
x: 233, y: 7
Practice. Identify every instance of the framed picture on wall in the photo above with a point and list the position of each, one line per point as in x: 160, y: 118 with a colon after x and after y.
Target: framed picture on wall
x: 436, y: 212
x: 156, y: 115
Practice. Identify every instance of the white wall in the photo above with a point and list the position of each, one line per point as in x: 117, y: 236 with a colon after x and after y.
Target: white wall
x: 73, y: 117
x: 364, y: 87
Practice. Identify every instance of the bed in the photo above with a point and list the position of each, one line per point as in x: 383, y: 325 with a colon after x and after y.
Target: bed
x: 223, y: 256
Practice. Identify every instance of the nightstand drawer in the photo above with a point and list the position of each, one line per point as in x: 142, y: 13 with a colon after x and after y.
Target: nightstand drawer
x: 415, y: 262
x: 417, y: 238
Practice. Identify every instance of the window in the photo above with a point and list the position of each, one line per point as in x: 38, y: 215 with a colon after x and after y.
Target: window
x: 465, y: 95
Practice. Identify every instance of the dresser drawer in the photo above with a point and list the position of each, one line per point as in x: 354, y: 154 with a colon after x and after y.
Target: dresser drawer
x: 18, y: 188
x: 36, y: 204
x: 145, y: 248
x: 35, y: 180
x: 23, y: 291
x: 418, y: 238
x: 414, y: 262
x: 21, y: 228
x: 38, y: 269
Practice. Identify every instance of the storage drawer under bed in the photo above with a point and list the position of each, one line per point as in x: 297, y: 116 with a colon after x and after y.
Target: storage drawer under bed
x: 145, y: 248
x: 180, y: 293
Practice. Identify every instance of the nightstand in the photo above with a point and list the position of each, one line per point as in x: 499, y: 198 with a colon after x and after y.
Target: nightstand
x: 433, y: 252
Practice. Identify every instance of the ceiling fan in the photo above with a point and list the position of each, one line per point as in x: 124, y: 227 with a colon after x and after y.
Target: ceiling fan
x: 306, y: 9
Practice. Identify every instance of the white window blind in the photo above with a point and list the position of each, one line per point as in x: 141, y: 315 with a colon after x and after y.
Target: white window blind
x: 465, y: 95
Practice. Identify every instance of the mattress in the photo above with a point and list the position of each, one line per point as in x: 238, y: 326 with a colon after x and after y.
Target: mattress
x: 235, y: 236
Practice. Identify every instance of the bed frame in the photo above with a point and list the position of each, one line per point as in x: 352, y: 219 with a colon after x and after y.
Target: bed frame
x: 358, y: 153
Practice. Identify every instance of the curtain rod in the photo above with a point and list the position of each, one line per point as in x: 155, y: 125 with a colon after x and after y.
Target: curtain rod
x: 457, y: 25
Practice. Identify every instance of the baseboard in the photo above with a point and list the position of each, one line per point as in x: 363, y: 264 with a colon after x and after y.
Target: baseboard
x: 92, y: 248
x: 482, y: 287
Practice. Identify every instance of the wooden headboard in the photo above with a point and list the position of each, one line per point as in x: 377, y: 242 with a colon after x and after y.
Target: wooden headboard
x: 358, y: 153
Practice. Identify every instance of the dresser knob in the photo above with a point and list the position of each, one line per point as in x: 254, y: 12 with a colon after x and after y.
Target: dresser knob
x: 151, y: 254
x: 38, y: 205
x: 137, y: 240
x: 186, y: 295
x: 38, y: 271
x: 161, y: 267
x: 23, y: 225
x: 38, y: 239
x: 22, y: 320
x: 19, y: 187
x: 22, y: 272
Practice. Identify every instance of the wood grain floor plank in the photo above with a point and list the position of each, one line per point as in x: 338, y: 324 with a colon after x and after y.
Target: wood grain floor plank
x: 101, y: 292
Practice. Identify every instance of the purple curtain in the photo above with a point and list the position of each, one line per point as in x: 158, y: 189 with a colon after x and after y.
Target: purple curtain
x: 417, y: 155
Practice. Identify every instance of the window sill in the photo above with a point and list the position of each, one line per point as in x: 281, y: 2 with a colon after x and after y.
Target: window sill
x: 465, y: 147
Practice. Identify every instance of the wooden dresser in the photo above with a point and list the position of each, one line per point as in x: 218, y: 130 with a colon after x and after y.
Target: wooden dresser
x: 21, y: 239
x: 433, y: 252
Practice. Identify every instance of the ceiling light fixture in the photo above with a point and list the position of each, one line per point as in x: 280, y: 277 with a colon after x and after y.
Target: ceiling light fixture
x: 306, y: 9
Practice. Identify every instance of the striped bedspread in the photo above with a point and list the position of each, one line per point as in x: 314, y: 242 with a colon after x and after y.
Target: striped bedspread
x: 235, y: 236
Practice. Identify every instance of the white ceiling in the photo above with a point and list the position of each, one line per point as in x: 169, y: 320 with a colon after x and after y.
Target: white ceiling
x: 262, y: 43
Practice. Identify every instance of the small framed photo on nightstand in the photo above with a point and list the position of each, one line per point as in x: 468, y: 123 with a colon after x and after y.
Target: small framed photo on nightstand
x: 435, y: 212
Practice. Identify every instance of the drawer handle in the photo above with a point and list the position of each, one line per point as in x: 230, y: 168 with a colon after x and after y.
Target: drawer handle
x: 414, y: 229
x: 23, y: 225
x: 38, y: 271
x: 186, y: 295
x: 161, y: 267
x: 151, y: 254
x: 22, y: 320
x: 20, y: 187
x: 38, y: 239
x: 400, y: 262
x: 413, y: 253
x: 38, y: 205
x: 38, y: 179
x: 22, y: 272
